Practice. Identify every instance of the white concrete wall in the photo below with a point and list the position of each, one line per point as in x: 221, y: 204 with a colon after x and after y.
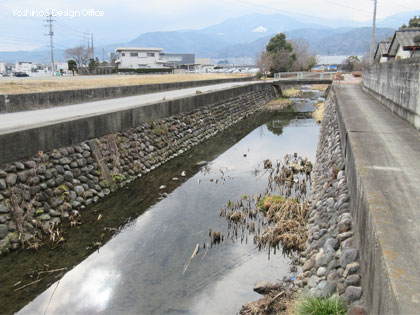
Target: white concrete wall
x: 397, y: 85
x: 402, y: 54
x: 140, y: 61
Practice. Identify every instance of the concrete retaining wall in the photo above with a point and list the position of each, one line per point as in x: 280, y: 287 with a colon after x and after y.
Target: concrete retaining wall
x: 21, y: 144
x: 28, y: 101
x: 396, y: 84
x: 377, y: 289
x: 90, y: 157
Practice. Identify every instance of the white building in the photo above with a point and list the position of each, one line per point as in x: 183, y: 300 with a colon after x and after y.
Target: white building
x: 381, y: 54
x: 25, y: 66
x: 138, y: 58
x: 402, y: 45
x: 203, y: 65
x: 2, y: 68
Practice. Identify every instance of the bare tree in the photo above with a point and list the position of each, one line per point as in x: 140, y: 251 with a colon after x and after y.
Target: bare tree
x: 305, y: 59
x: 80, y: 54
x: 264, y: 62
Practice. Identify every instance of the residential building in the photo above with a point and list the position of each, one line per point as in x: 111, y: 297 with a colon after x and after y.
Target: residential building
x: 25, y: 66
x: 381, y: 53
x: 139, y: 57
x: 203, y: 65
x: 402, y: 45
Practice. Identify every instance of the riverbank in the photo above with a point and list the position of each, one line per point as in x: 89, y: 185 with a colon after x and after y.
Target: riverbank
x: 331, y: 260
x: 330, y: 263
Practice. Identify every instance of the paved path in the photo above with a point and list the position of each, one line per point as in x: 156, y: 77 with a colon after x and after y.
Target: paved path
x: 386, y: 154
x: 36, y: 118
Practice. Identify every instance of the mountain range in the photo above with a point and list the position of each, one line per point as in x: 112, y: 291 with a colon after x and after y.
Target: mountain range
x: 245, y: 36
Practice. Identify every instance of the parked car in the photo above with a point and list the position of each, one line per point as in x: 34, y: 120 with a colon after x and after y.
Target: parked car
x: 21, y: 74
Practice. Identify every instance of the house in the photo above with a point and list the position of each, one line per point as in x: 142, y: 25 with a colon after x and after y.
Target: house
x: 381, y: 53
x: 25, y: 66
x: 402, y: 45
x: 140, y: 58
x: 203, y: 65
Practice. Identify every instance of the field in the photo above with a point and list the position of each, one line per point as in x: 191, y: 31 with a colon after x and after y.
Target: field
x: 45, y: 84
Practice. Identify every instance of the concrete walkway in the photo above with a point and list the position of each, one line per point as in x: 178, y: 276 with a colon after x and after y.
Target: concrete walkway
x: 383, y: 166
x: 36, y: 118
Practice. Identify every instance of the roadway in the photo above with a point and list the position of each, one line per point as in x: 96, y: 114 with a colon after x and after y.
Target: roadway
x: 19, y: 121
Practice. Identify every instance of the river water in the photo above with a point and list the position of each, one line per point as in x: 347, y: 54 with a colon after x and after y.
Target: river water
x: 140, y: 269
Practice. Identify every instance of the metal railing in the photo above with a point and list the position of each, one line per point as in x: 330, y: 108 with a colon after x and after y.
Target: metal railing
x: 304, y: 75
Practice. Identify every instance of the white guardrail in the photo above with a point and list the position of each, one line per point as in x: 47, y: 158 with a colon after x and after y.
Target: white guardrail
x: 304, y: 75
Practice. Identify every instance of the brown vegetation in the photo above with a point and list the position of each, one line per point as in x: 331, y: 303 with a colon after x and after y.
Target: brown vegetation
x: 30, y: 85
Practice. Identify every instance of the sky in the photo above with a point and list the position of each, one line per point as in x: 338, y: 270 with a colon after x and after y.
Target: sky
x: 123, y: 20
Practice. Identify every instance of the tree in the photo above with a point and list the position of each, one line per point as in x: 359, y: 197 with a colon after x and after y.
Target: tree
x: 80, y: 54
x: 92, y: 64
x: 72, y: 65
x: 305, y: 60
x: 414, y: 22
x: 280, y: 52
x: 351, y: 63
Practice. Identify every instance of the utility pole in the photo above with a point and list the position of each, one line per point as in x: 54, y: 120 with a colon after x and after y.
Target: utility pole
x: 50, y: 21
x: 103, y: 54
x: 93, y: 51
x: 372, y: 43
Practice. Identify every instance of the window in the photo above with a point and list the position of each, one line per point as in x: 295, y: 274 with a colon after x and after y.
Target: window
x: 150, y: 54
x: 134, y: 54
x: 123, y: 54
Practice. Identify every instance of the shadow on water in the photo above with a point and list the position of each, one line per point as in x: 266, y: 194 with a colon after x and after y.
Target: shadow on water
x: 140, y: 268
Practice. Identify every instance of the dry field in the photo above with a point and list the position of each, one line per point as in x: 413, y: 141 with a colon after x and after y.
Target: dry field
x: 45, y: 84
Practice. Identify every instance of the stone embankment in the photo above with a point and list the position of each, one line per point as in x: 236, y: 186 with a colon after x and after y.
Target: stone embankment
x: 331, y: 259
x: 39, y: 192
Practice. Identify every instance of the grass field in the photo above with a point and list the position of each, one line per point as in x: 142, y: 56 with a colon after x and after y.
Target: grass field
x: 45, y: 84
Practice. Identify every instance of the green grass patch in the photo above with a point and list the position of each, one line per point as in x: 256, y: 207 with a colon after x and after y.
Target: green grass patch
x: 311, y: 305
x: 266, y: 202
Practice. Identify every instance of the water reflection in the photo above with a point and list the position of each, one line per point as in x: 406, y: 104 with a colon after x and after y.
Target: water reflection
x: 140, y: 270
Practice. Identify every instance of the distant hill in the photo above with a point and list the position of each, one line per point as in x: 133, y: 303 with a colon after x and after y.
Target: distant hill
x: 340, y: 41
x: 180, y: 42
x: 353, y: 42
x: 254, y: 26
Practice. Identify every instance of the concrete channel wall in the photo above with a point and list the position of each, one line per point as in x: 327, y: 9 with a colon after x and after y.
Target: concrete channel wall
x: 27, y: 101
x: 396, y: 84
x: 21, y: 144
x: 48, y: 173
x: 377, y: 289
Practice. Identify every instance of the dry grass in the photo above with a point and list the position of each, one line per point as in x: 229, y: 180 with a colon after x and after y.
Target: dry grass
x: 280, y: 300
x: 30, y: 85
x: 318, y: 114
x: 320, y: 87
x: 278, y: 104
x: 292, y: 92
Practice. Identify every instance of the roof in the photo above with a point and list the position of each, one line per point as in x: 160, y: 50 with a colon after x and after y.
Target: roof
x: 138, y: 48
x: 382, y: 49
x: 403, y: 37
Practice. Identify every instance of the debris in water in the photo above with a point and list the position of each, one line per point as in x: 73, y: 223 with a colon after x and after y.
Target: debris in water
x: 195, y: 252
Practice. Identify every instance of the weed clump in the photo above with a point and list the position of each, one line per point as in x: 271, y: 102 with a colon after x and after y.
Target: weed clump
x: 332, y: 305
